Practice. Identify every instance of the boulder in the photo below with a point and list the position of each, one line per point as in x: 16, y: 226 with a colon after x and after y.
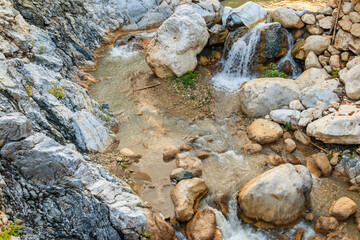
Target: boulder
x: 312, y: 61
x: 170, y: 152
x: 14, y: 127
x: 342, y: 208
x: 179, y: 39
x: 316, y: 44
x: 186, y: 197
x: 287, y: 17
x: 312, y: 76
x: 276, y: 198
x: 322, y: 163
x: 202, y: 226
x: 343, y: 40
x: 324, y: 225
x: 273, y: 41
x: 340, y: 127
x: 259, y: 96
x: 159, y: 229
x: 284, y: 116
x: 189, y: 163
x: 264, y: 131
x: 218, y: 34
x: 311, y: 96
x: 210, y: 10
x: 352, y: 82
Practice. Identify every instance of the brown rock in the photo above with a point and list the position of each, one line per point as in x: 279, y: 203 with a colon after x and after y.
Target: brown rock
x: 264, y: 131
x: 325, y: 225
x: 343, y: 208
x: 221, y: 204
x: 170, y: 152
x: 252, y: 148
x: 345, y: 24
x: 218, y: 234
x: 317, y: 238
x: 323, y: 163
x: 355, y: 29
x: 326, y: 22
x: 203, y: 155
x: 277, y: 147
x: 204, y: 60
x: 308, y: 216
x: 299, y: 234
x: 185, y: 147
x: 186, y: 197
x: 128, y: 153
x: 159, y: 229
x: 314, y: 30
x: 334, y: 160
x: 189, y: 163
x: 276, y: 160
x: 289, y: 145
x: 334, y: 3
x: 202, y: 226
x: 312, y: 166
x: 293, y: 160
x: 286, y: 135
x: 302, y: 137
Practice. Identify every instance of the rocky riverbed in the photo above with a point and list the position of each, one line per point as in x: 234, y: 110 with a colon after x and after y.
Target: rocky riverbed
x: 169, y: 153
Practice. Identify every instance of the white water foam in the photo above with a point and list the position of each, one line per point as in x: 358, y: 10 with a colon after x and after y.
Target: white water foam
x: 236, y: 66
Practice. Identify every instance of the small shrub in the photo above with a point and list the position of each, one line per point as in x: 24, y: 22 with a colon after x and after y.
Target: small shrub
x: 12, y: 229
x: 105, y: 117
x: 124, y: 165
x: 288, y: 126
x: 56, y: 90
x: 144, y: 234
x: 330, y: 156
x: 28, y: 90
x: 272, y: 71
x: 41, y: 50
x: 335, y: 74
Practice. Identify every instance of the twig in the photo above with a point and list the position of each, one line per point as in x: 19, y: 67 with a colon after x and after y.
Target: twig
x: 319, y: 147
x: 336, y: 21
x: 147, y: 87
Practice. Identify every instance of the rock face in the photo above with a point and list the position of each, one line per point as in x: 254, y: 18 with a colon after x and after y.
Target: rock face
x: 177, y: 42
x: 288, y: 18
x: 202, y: 226
x: 341, y: 127
x: 343, y: 208
x: 264, y: 131
x: 276, y: 198
x: 13, y: 127
x: 259, y: 96
x: 186, y: 196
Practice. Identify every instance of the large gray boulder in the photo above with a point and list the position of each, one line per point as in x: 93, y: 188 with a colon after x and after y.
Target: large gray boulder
x: 260, y: 96
x: 177, y: 42
x: 276, y: 198
x: 340, y: 127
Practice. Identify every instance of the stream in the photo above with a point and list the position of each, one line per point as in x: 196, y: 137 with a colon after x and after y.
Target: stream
x: 122, y: 69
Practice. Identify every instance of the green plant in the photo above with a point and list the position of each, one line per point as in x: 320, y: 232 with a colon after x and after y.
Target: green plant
x: 124, y: 165
x: 330, y: 156
x: 187, y: 81
x: 105, y: 117
x: 28, y: 90
x: 144, y: 234
x: 56, y: 90
x: 335, y: 74
x: 12, y: 229
x: 288, y: 126
x: 272, y: 71
x: 41, y: 50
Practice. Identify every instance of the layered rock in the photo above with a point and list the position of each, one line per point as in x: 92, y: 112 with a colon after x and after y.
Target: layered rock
x: 276, y: 198
x: 177, y: 42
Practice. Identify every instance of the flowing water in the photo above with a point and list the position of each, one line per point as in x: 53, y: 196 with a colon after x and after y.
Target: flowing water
x: 224, y: 172
x: 296, y: 70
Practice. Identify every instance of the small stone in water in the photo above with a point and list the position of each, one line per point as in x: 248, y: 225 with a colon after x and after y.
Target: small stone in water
x: 299, y: 234
x: 185, y: 147
x: 203, y: 156
x: 276, y: 160
x: 308, y: 216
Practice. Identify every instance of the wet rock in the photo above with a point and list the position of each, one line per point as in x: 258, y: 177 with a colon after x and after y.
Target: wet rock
x: 317, y: 238
x: 13, y: 127
x: 302, y: 137
x: 299, y: 234
x: 189, y: 163
x: 341, y: 127
x: 203, y: 155
x: 343, y: 208
x: 180, y: 174
x: 180, y: 38
x: 285, y: 116
x: 186, y: 197
x: 308, y: 216
x: 323, y: 163
x: 221, y: 204
x: 259, y: 96
x: 170, y: 152
x: 264, y: 131
x: 293, y: 160
x: 218, y: 34
x: 289, y: 146
x: 287, y: 17
x: 252, y: 148
x: 159, y: 229
x: 312, y: 166
x: 324, y: 225
x: 276, y: 198
x: 185, y: 147
x: 276, y: 160
x: 202, y: 226
x: 273, y: 41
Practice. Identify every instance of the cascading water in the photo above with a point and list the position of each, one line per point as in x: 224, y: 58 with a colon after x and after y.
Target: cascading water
x: 235, y: 69
x: 296, y: 70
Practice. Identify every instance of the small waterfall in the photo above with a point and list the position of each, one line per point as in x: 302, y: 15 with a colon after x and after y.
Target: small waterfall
x: 235, y: 69
x: 296, y: 70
